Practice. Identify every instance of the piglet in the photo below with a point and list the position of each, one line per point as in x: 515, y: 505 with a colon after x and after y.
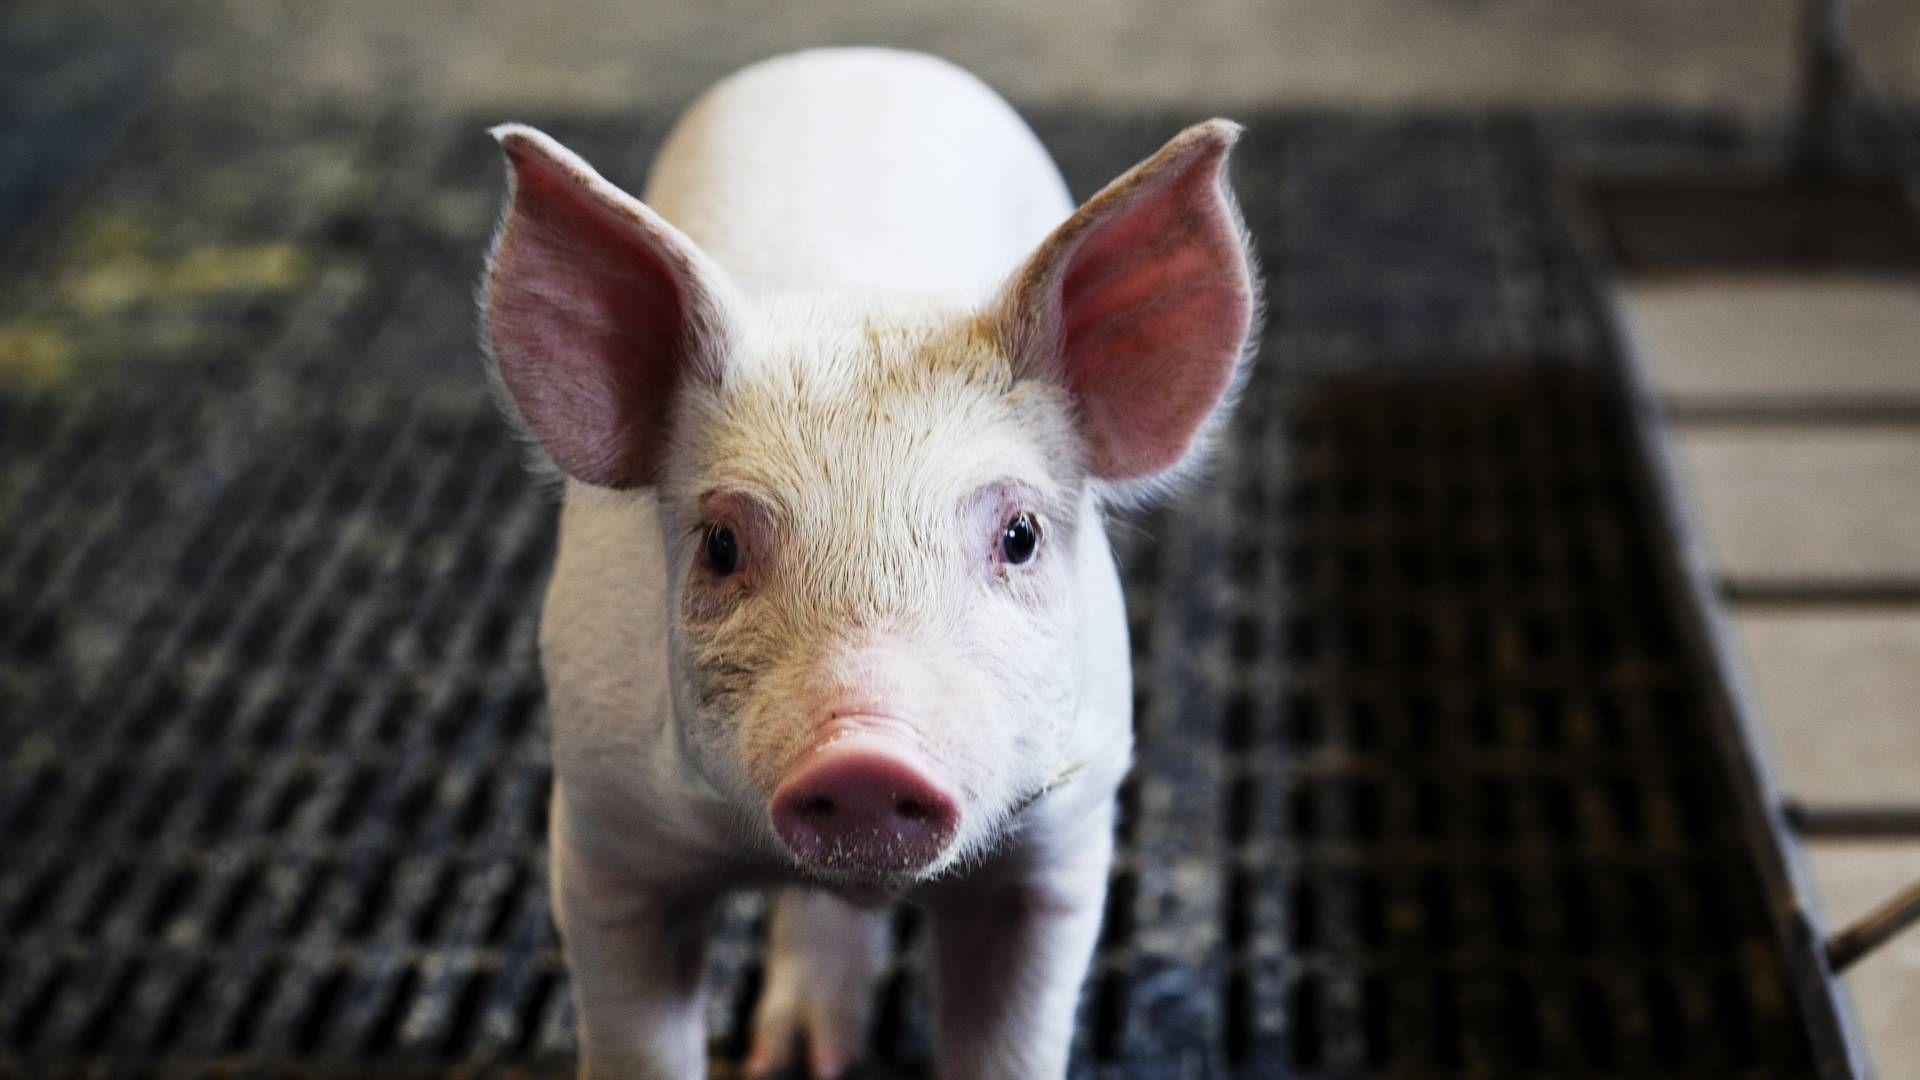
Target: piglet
x: 840, y: 409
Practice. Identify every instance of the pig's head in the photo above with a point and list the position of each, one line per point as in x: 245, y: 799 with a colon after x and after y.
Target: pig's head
x: 880, y: 513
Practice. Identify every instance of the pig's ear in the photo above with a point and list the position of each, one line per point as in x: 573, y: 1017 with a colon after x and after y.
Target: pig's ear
x: 1142, y: 306
x: 596, y: 310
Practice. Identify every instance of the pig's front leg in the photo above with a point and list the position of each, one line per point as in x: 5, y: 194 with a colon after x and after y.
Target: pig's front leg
x: 824, y: 956
x: 637, y: 954
x: 1011, y: 948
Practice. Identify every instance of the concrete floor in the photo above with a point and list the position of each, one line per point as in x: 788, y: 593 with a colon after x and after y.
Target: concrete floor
x: 1835, y: 528
x: 1813, y: 516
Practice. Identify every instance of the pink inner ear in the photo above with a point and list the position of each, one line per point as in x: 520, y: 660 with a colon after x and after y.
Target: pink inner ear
x: 588, y: 319
x: 1155, y: 305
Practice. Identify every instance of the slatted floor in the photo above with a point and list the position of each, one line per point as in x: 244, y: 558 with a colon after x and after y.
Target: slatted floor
x: 1427, y: 783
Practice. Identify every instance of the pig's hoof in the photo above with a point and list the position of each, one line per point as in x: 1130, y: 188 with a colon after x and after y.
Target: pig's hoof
x: 802, y: 1038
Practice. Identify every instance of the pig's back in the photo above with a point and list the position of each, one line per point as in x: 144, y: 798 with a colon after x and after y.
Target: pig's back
x: 857, y: 169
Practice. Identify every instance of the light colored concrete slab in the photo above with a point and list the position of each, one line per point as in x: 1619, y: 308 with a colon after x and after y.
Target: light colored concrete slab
x: 1703, y: 339
x: 1853, y: 877
x: 1805, y: 503
x: 1838, y: 694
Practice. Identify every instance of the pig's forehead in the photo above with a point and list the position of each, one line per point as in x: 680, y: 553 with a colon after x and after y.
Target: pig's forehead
x: 838, y: 347
x: 870, y: 399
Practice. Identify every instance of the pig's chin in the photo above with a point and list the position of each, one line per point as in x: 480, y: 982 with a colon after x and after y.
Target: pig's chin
x: 861, y: 887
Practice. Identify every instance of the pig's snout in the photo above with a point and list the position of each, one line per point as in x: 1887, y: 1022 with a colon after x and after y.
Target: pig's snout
x: 864, y: 804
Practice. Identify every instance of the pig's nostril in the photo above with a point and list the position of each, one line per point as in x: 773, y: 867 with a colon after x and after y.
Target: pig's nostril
x: 912, y: 810
x: 818, y: 806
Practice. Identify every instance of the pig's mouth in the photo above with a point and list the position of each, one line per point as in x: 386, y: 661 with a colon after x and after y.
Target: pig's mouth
x: 1067, y: 773
x: 864, y: 803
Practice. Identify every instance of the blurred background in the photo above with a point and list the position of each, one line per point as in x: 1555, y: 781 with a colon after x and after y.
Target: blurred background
x: 1532, y: 691
x: 493, y: 54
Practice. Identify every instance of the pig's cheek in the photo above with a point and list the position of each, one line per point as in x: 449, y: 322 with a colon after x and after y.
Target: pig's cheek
x: 1041, y: 682
x: 1017, y: 686
x: 712, y: 719
x: 706, y: 601
x: 1042, y: 588
x: 741, y: 697
x: 718, y: 675
x: 1034, y: 643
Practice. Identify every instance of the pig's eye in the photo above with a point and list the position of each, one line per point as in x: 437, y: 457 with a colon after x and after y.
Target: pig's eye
x: 723, y: 551
x: 1019, y: 539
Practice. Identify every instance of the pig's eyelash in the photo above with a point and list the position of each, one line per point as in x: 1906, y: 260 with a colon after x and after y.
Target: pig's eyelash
x: 700, y: 530
x: 695, y: 537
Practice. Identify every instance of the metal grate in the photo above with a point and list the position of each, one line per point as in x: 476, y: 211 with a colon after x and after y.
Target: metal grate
x: 1426, y: 782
